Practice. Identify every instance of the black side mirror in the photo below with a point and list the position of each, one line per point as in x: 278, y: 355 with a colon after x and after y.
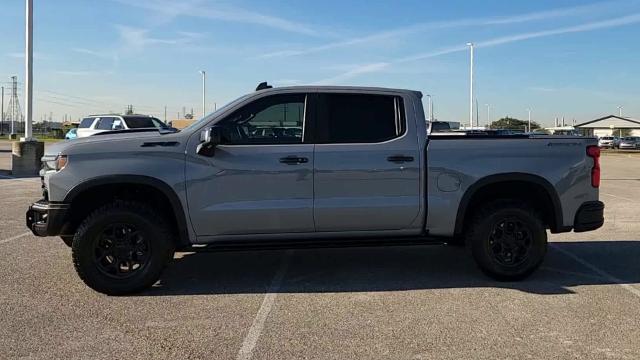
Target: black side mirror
x: 209, y: 139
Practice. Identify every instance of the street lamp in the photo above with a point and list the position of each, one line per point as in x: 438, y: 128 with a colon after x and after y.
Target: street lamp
x: 204, y: 92
x: 529, y: 111
x: 28, y: 87
x: 430, y: 108
x: 488, y: 113
x: 470, y: 45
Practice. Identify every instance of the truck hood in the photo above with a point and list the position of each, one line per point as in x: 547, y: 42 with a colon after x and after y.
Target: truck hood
x: 64, y: 146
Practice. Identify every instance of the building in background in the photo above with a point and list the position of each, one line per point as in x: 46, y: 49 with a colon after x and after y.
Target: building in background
x: 610, y: 125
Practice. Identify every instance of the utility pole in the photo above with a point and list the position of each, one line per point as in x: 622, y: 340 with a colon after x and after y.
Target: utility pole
x: 28, y: 87
x: 620, y: 110
x: 430, y: 108
x: 165, y: 114
x: 204, y: 93
x: 471, y: 85
x: 529, y: 111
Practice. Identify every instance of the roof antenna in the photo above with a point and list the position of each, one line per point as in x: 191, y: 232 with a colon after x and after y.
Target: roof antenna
x: 263, y: 86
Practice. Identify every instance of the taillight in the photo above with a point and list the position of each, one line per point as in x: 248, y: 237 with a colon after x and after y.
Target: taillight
x: 594, y: 153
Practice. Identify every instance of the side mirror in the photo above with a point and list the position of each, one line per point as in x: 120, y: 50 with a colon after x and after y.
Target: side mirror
x: 209, y: 139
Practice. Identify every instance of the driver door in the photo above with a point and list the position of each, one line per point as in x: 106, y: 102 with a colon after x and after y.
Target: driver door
x: 260, y: 180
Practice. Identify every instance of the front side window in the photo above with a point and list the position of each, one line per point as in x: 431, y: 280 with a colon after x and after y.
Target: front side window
x: 277, y: 119
x: 86, y: 123
x: 359, y: 118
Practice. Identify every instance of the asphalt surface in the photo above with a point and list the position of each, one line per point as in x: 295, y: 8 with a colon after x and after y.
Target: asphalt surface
x: 421, y: 302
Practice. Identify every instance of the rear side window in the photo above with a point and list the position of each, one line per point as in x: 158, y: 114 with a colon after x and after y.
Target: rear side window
x: 357, y: 118
x: 143, y: 122
x: 86, y: 123
x: 105, y: 123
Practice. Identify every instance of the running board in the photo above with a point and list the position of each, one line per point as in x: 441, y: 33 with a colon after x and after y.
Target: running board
x: 239, y: 245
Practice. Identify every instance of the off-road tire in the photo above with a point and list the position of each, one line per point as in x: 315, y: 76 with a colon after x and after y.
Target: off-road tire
x: 482, y: 232
x: 151, y: 225
x: 67, y: 240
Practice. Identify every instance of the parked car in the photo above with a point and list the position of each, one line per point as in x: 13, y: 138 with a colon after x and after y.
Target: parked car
x: 630, y: 142
x: 95, y: 124
x: 71, y: 134
x: 365, y: 172
x: 609, y: 142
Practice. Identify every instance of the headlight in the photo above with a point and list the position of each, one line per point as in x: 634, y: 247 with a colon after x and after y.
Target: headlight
x: 61, y: 162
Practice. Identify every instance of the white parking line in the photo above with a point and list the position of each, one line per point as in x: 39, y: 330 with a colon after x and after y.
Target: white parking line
x: 602, y: 273
x: 251, y: 339
x: 618, y: 197
x: 15, y: 237
x: 18, y: 179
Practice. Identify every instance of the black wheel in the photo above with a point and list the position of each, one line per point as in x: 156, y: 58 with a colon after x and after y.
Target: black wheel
x: 68, y: 240
x: 507, y: 239
x: 122, y: 248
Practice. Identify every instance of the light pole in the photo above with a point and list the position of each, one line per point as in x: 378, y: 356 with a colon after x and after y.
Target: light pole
x: 529, y: 111
x: 204, y: 92
x: 470, y: 44
x: 488, y: 113
x: 28, y: 87
x: 2, y: 114
x: 620, y: 107
x: 430, y: 108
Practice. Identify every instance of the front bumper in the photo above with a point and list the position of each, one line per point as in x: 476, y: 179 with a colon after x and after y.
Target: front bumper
x: 45, y: 218
x: 589, y: 217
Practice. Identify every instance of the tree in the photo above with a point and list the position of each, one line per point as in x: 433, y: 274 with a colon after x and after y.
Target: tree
x: 513, y: 124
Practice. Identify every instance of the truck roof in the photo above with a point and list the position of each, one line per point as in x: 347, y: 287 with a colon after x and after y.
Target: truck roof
x: 330, y: 88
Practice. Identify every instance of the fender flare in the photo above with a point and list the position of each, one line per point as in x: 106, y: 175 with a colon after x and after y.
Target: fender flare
x: 163, y: 187
x: 557, y: 218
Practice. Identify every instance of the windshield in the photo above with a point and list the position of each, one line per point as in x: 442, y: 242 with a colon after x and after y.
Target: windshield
x: 142, y: 122
x: 218, y: 111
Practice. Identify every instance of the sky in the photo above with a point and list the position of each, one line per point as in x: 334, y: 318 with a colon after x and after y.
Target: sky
x: 577, y: 59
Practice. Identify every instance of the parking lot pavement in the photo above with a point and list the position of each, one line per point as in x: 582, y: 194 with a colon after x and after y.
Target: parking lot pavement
x: 421, y: 302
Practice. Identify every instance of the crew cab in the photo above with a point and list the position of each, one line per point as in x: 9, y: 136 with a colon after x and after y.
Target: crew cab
x: 341, y: 166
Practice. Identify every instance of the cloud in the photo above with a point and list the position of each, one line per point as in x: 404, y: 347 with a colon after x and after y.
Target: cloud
x: 597, y: 25
x: 21, y: 55
x: 83, y: 72
x: 542, y: 89
x: 136, y: 39
x: 418, y: 28
x: 620, y: 21
x: 224, y: 12
x: 356, y: 71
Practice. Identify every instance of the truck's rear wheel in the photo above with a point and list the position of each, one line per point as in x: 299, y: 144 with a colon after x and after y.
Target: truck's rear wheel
x: 122, y: 248
x: 507, y: 239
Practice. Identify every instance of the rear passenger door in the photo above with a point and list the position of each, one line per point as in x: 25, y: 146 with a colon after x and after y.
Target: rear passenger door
x: 366, y: 164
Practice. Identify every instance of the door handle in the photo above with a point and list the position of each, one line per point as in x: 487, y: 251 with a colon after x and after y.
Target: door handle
x: 400, y: 159
x: 294, y: 160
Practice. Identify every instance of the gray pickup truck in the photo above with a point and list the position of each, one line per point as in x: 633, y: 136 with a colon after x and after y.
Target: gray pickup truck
x: 311, y: 166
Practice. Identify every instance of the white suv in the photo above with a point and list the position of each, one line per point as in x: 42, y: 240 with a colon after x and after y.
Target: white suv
x: 100, y: 123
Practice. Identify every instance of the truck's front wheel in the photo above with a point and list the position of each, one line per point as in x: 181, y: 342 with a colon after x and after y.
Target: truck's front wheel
x: 122, y: 248
x: 507, y: 239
